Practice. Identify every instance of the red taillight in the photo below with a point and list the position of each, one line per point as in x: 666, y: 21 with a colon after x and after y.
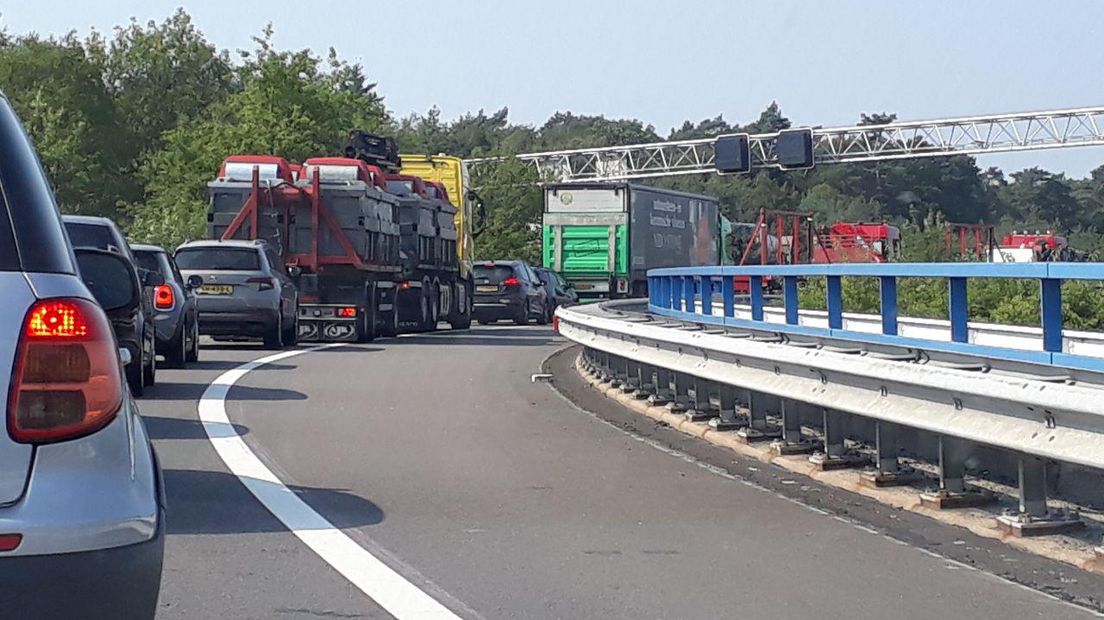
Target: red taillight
x: 511, y: 281
x: 67, y: 381
x: 263, y: 283
x: 163, y: 297
x: 9, y: 542
x: 405, y: 284
x: 346, y: 313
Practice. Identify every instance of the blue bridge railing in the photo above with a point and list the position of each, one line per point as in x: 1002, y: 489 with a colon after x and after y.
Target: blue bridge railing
x: 682, y: 293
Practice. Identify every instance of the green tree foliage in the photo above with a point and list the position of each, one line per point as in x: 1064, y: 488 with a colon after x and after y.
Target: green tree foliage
x: 291, y: 104
x: 80, y: 134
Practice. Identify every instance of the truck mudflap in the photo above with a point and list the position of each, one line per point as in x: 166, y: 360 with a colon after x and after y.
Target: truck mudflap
x: 327, y: 330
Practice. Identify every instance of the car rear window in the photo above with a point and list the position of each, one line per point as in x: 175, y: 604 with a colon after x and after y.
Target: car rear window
x: 148, y: 261
x: 90, y: 236
x: 495, y: 274
x: 218, y: 259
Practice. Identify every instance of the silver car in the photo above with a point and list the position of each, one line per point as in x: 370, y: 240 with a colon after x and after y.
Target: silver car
x: 81, y: 504
x: 245, y: 291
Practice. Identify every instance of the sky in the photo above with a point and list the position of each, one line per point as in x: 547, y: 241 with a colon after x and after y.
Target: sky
x: 668, y: 61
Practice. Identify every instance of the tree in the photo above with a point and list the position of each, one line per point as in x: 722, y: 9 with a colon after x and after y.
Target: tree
x: 289, y: 105
x: 76, y: 127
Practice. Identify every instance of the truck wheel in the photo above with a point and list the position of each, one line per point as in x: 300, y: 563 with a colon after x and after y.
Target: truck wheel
x: 463, y: 318
x: 523, y: 315
x: 433, y: 303
x: 368, y: 326
x: 291, y: 333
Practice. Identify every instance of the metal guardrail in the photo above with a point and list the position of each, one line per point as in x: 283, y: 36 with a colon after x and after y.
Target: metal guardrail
x: 678, y: 293
x: 1044, y: 405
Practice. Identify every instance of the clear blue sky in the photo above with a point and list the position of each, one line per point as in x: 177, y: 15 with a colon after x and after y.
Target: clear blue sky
x: 667, y: 61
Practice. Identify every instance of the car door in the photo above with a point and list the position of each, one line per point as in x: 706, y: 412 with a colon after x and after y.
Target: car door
x: 536, y: 289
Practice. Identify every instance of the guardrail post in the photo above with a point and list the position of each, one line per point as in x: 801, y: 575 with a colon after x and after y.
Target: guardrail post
x: 707, y: 295
x: 888, y: 288
x: 1050, y: 298
x: 728, y: 417
x: 688, y: 293
x: 1034, y: 518
x: 835, y: 454
x: 701, y: 407
x: 643, y: 381
x: 671, y: 289
x: 953, y: 492
x: 756, y: 429
x: 791, y: 441
x: 755, y: 293
x: 728, y: 296
x: 888, y: 470
x: 789, y: 299
x: 835, y: 302
x: 662, y: 394
x: 958, y: 310
x: 680, y: 388
x: 632, y: 376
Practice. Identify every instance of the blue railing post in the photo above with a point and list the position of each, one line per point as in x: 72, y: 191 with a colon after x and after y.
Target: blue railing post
x: 672, y: 292
x: 688, y: 293
x: 958, y: 311
x: 1050, y: 296
x: 728, y: 295
x: 835, y: 302
x: 889, y: 304
x: 789, y: 298
x: 707, y: 295
x: 755, y: 290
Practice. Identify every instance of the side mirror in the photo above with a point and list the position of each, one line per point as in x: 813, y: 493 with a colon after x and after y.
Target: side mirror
x: 110, y: 277
x: 195, y: 282
x: 152, y: 278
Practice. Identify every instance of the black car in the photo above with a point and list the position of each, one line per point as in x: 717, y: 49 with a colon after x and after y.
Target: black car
x: 561, y: 292
x: 176, y: 315
x: 509, y: 290
x: 135, y: 330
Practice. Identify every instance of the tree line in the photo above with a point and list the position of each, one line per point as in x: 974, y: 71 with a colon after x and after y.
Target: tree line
x: 133, y: 124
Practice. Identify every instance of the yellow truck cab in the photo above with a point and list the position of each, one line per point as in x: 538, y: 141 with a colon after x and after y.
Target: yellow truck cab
x: 450, y: 172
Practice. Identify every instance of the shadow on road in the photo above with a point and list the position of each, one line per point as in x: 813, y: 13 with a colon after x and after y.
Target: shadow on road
x: 180, y: 428
x: 208, y: 502
x: 192, y: 391
x: 504, y: 336
x: 229, y: 364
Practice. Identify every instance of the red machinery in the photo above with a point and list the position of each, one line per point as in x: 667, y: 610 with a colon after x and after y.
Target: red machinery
x: 860, y: 242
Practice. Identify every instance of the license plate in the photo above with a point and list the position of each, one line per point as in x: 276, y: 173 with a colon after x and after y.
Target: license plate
x: 216, y: 289
x: 583, y: 287
x: 486, y: 289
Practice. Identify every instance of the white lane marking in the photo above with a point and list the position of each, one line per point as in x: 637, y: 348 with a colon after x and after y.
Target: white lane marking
x: 378, y: 581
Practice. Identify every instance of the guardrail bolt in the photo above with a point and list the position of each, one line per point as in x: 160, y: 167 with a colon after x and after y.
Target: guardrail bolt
x: 701, y: 404
x: 888, y: 471
x: 835, y: 454
x: 791, y: 441
x: 680, y: 387
x: 1034, y: 518
x: 729, y: 416
x: 953, y: 492
x: 756, y: 429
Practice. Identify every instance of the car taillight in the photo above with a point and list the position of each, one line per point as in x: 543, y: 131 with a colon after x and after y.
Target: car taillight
x: 263, y: 283
x: 163, y: 297
x: 67, y: 381
x: 511, y: 281
x: 346, y: 313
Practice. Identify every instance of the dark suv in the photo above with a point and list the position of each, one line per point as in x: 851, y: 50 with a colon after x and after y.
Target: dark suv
x: 509, y: 290
x: 80, y: 493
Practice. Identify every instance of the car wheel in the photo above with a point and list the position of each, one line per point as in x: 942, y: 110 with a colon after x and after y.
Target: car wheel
x: 136, y: 377
x: 192, y: 356
x: 543, y: 319
x: 523, y: 316
x: 274, y: 336
x: 149, y: 372
x: 177, y: 354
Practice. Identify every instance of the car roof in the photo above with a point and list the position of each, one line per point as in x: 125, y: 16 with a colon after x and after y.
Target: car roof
x: 145, y: 247
x: 218, y: 243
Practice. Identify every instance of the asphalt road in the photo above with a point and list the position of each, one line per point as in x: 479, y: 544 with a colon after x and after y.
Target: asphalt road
x: 499, y: 498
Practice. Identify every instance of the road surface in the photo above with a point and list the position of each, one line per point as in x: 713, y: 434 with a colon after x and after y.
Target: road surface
x: 457, y: 478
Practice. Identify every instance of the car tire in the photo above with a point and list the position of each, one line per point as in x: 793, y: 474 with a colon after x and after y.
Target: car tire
x: 544, y: 315
x: 136, y: 378
x: 192, y: 355
x: 149, y: 371
x: 274, y: 335
x: 523, y: 317
x: 177, y: 355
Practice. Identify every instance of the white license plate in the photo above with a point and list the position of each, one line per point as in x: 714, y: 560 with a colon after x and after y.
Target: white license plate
x: 216, y: 289
x: 486, y: 289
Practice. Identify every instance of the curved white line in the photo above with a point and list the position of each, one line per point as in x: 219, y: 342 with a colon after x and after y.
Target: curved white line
x: 378, y: 581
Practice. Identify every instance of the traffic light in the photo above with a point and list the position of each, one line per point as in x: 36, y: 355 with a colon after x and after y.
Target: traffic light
x: 794, y: 148
x: 731, y: 154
